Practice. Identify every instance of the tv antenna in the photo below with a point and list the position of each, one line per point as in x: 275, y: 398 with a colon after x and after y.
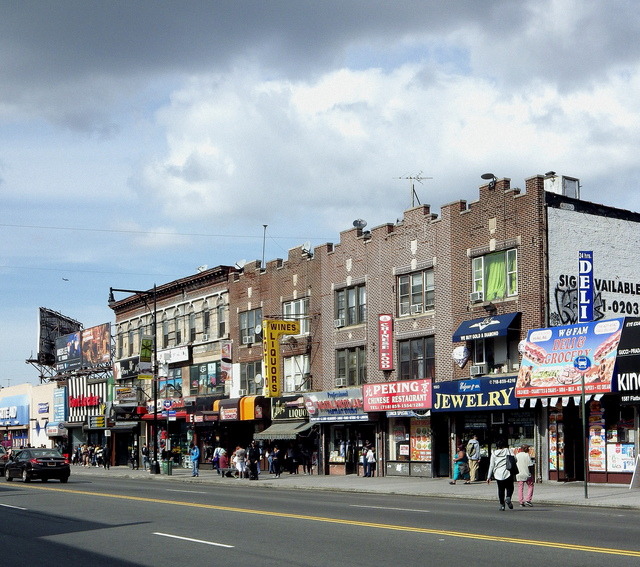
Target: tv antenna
x: 412, y: 179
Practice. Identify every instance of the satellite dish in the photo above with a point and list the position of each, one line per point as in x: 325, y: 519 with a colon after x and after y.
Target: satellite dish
x: 258, y: 379
x: 202, y: 268
x: 258, y: 329
x: 487, y: 176
x: 241, y: 264
x: 306, y: 247
x: 359, y: 223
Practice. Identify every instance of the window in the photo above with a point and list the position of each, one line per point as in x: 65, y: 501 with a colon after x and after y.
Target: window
x: 222, y: 319
x: 248, y: 322
x: 120, y: 342
x: 415, y: 292
x: 205, y: 379
x: 131, y: 340
x: 248, y: 373
x: 497, y: 354
x: 417, y: 358
x: 496, y: 274
x: 206, y: 321
x: 296, y: 373
x: 165, y: 332
x: 351, y: 366
x: 351, y: 305
x: 178, y: 328
x: 171, y: 386
x: 192, y: 326
x: 298, y: 310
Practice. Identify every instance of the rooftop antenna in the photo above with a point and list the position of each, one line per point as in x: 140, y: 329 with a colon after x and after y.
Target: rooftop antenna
x: 412, y: 179
x: 264, y: 237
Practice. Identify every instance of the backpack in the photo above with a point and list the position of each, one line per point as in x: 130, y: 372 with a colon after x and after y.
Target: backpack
x: 512, y: 465
x: 471, y: 450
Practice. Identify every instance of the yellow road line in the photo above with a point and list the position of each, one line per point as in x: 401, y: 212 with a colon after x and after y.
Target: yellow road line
x: 465, y: 535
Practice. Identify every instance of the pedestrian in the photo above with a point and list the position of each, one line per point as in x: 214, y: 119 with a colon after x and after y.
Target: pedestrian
x: 217, y: 452
x: 145, y: 457
x: 460, y: 466
x: 195, y: 457
x: 275, y: 461
x: 370, y: 458
x: 525, y: 475
x: 241, y: 461
x: 223, y: 463
x: 499, y: 470
x: 106, y: 456
x: 253, y: 456
x: 473, y: 454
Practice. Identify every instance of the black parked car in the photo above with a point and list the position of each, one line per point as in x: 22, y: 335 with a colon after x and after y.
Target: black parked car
x: 44, y: 464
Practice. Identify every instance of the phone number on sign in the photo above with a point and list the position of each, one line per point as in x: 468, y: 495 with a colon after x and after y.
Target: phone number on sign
x: 622, y: 307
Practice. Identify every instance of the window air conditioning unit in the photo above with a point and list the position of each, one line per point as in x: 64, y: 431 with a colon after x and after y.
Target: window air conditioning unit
x: 341, y: 382
x: 417, y: 308
x: 242, y: 392
x: 476, y: 296
x: 337, y: 323
x: 205, y: 337
x: 247, y: 340
x: 478, y: 369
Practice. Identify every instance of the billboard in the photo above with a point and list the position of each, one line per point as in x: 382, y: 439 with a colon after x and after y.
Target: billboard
x: 88, y: 348
x: 52, y: 325
x: 68, y: 352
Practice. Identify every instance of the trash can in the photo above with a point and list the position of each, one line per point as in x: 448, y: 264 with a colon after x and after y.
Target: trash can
x: 167, y: 468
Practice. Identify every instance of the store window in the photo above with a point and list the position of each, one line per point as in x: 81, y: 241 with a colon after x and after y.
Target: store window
x: 416, y: 293
x: 417, y: 358
x: 171, y: 386
x: 410, y: 439
x: 298, y: 310
x: 495, y: 275
x: 351, y: 367
x: 205, y: 379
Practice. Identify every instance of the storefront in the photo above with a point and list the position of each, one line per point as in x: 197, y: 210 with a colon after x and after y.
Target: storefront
x: 86, y: 399
x: 486, y: 407
x: 407, y: 428
x: 590, y: 368
x: 14, y: 420
x: 345, y: 429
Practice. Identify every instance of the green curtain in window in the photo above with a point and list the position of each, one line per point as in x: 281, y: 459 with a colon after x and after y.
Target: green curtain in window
x: 495, y: 276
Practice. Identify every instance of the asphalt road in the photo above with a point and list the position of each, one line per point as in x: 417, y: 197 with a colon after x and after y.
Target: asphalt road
x: 103, y: 521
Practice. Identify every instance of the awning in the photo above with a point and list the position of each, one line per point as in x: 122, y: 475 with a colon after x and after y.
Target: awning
x: 485, y: 327
x: 284, y: 430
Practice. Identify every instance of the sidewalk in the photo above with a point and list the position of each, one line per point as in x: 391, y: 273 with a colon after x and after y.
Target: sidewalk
x: 547, y: 493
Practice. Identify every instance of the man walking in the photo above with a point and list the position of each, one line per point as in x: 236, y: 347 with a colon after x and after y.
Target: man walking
x: 195, y: 456
x: 473, y: 454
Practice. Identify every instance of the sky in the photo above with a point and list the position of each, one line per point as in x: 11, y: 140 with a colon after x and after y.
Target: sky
x: 141, y: 140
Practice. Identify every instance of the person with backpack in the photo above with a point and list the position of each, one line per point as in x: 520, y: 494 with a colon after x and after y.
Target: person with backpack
x: 473, y: 454
x: 501, y: 469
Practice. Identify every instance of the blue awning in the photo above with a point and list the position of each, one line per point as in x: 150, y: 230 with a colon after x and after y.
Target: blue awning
x: 486, y: 327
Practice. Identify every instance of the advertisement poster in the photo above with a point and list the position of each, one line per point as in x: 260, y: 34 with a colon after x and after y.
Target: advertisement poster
x: 421, y: 440
x: 621, y: 457
x: 556, y: 441
x: 597, y: 439
x: 548, y: 356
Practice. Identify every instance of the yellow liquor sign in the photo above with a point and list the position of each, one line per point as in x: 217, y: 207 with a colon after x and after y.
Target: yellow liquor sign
x: 272, y: 330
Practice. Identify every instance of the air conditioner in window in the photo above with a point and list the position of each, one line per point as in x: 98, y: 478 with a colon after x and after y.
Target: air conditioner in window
x: 337, y: 323
x: 242, y: 392
x: 417, y: 308
x: 476, y: 296
x: 247, y: 340
x: 205, y: 337
x: 478, y: 369
x: 341, y: 382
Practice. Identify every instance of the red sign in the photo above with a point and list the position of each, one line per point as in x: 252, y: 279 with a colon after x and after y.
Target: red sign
x: 385, y: 339
x: 400, y: 395
x: 84, y: 401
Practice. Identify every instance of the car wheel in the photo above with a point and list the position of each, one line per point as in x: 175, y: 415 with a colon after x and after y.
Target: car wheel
x: 7, y: 476
x: 25, y: 476
x: 64, y: 479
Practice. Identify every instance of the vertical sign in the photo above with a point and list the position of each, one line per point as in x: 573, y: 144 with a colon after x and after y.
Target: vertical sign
x: 385, y: 339
x: 585, y: 286
x: 272, y: 332
x: 145, y: 369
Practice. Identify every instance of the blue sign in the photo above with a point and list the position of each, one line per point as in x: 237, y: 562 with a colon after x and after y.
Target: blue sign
x: 475, y: 395
x: 582, y: 363
x: 14, y: 410
x: 585, y: 286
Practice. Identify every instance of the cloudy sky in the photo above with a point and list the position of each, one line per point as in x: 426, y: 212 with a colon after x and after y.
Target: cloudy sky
x: 140, y: 140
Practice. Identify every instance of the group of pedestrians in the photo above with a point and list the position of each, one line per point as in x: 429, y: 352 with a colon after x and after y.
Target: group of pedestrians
x: 506, y: 467
x: 90, y: 455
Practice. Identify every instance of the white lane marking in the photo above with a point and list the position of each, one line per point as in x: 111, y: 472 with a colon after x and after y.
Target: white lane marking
x: 387, y: 508
x: 193, y: 540
x: 188, y: 491
x: 15, y: 507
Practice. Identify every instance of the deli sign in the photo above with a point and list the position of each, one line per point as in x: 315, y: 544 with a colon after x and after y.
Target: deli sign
x: 394, y: 396
x: 385, y: 339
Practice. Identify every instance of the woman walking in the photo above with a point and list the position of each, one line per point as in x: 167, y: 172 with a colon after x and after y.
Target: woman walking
x: 461, y: 466
x: 499, y: 470
x: 524, y: 476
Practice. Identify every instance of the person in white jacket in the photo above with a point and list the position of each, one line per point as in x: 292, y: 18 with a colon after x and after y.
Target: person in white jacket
x: 524, y: 476
x: 502, y: 475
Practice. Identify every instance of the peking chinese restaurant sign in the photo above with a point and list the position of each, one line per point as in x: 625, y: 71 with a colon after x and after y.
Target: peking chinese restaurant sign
x: 480, y: 394
x: 549, y: 366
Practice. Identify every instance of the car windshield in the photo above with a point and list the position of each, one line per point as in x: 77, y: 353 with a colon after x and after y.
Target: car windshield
x: 40, y: 453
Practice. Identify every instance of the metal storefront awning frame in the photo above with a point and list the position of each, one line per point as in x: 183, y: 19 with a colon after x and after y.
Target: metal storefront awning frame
x: 283, y: 431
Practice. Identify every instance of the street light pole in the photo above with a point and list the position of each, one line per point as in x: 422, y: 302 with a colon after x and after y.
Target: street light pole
x: 155, y: 466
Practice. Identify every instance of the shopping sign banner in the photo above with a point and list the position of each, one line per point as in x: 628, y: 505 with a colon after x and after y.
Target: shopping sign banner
x: 273, y: 330
x: 385, y: 340
x: 479, y: 394
x: 549, y: 368
x: 399, y: 395
x: 343, y: 404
